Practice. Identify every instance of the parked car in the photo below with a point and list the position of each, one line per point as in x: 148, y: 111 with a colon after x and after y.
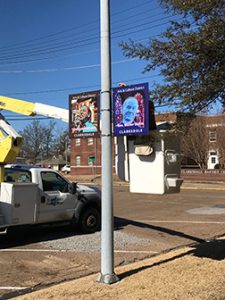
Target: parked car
x: 66, y: 169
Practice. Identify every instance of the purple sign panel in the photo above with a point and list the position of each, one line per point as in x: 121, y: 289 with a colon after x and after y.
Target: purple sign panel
x: 131, y: 105
x: 83, y: 120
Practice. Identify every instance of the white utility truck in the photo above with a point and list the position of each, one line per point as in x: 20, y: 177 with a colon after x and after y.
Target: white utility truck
x: 32, y: 195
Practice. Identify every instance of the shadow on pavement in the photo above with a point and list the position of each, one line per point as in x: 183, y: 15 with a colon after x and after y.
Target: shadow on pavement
x: 22, y: 236
x: 121, y: 222
x: 212, y: 250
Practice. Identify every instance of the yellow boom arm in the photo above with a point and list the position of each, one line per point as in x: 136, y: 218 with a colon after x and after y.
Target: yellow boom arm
x: 10, y: 140
x: 18, y: 106
x: 31, y: 109
x: 10, y: 144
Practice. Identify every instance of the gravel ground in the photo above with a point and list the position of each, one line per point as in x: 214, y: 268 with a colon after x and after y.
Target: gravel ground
x: 92, y: 242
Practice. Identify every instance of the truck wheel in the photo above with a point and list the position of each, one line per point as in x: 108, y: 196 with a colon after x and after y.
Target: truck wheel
x: 90, y: 220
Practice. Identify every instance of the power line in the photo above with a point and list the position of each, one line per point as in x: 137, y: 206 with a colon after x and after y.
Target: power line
x: 96, y: 86
x: 91, y: 51
x: 58, y: 47
x: 39, y: 49
x: 81, y: 26
x: 52, y: 50
x: 65, y: 68
x: 28, y: 119
x: 79, y: 43
x: 12, y: 46
x: 62, y: 46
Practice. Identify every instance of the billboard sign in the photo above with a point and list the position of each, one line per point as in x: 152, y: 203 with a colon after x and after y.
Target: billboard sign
x: 131, y: 105
x: 83, y: 119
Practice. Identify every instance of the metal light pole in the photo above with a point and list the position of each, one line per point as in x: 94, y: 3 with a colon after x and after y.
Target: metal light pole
x: 107, y: 240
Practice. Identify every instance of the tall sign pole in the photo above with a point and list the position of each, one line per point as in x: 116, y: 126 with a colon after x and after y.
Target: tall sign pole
x: 107, y: 240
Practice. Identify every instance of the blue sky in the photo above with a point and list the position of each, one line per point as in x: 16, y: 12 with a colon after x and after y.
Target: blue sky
x: 51, y: 48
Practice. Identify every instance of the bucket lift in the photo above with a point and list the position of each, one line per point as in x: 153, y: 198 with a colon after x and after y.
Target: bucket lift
x: 10, y: 144
x: 10, y: 140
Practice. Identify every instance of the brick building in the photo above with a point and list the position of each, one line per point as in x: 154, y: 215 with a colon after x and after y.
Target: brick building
x: 214, y: 125
x: 85, y: 157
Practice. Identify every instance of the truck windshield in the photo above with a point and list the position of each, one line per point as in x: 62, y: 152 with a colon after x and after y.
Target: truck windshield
x: 17, y: 175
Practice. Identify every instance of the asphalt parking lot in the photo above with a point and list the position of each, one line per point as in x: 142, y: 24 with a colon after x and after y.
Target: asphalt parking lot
x: 145, y: 225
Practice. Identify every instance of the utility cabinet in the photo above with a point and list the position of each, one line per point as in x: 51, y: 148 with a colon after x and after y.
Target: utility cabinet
x: 153, y: 162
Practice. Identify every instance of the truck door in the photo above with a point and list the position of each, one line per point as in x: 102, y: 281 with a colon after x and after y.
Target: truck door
x: 56, y: 203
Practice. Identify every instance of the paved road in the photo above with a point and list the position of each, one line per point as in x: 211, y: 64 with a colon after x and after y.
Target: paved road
x: 195, y: 214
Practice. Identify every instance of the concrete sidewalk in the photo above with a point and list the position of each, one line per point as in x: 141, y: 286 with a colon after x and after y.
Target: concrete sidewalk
x: 218, y: 186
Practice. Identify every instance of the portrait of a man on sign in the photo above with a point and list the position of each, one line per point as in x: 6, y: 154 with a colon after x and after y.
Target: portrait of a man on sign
x: 84, y: 114
x: 131, y: 106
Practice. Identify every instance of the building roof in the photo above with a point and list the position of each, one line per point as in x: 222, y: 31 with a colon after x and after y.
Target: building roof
x: 52, y: 161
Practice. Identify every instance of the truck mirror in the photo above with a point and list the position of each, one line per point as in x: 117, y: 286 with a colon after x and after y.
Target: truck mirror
x: 73, y: 188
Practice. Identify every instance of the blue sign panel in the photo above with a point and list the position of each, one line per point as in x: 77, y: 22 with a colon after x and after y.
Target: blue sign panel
x: 131, y: 105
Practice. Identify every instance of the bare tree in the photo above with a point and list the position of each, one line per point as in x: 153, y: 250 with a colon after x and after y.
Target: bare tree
x: 38, y: 140
x: 62, y: 144
x: 195, y: 143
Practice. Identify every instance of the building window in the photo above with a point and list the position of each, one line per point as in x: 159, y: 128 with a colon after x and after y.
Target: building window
x: 77, y: 142
x: 213, y: 153
x: 212, y: 136
x: 213, y: 160
x: 77, y: 160
x: 91, y: 160
x: 90, y: 141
